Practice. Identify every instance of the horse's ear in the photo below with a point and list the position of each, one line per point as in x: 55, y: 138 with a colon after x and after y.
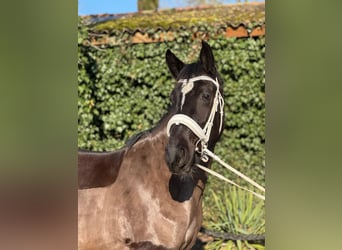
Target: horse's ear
x: 175, y: 65
x: 207, y: 58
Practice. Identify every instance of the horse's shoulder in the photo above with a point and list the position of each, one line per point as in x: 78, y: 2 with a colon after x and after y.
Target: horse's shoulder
x: 98, y: 169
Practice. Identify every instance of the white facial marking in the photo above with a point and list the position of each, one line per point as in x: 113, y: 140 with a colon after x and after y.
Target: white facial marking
x: 186, y: 88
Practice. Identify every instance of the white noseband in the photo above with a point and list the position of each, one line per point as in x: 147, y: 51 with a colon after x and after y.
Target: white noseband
x: 202, y: 133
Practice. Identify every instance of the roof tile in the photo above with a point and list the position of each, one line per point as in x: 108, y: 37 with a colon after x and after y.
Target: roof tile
x: 232, y: 20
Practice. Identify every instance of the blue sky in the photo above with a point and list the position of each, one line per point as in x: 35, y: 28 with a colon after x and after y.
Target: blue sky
x: 87, y: 7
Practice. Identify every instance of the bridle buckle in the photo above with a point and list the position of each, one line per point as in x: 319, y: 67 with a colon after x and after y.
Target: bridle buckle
x: 200, y: 147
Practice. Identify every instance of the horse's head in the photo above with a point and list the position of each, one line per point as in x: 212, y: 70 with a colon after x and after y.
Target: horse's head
x: 197, y: 102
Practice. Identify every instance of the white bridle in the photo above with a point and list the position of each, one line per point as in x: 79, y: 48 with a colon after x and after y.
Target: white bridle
x: 202, y: 133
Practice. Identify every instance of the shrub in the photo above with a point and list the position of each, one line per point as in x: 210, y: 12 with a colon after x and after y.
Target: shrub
x: 238, y: 212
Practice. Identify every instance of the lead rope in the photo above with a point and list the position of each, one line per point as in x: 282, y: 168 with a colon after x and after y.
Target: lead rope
x: 221, y: 177
x: 216, y: 158
x: 206, y: 153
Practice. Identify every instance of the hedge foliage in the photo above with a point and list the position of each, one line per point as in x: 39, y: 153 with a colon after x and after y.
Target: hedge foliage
x: 125, y: 89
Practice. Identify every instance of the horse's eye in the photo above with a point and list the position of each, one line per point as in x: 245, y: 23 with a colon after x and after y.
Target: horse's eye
x: 206, y: 96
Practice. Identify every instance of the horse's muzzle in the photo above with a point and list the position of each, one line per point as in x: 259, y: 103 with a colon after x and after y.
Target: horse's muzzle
x: 179, y: 158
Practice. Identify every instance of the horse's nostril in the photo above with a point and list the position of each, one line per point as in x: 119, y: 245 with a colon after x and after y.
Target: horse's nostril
x: 182, y: 152
x: 176, y: 156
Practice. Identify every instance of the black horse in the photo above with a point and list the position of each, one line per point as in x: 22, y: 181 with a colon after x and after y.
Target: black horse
x: 148, y: 195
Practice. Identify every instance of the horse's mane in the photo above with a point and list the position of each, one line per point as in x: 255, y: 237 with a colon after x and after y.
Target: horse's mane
x: 135, y: 138
x: 131, y: 141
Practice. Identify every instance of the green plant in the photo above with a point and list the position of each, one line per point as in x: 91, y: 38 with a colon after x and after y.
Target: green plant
x: 148, y: 4
x: 235, y: 211
x: 231, y: 245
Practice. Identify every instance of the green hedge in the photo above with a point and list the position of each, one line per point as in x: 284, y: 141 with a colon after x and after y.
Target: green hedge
x: 125, y: 89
